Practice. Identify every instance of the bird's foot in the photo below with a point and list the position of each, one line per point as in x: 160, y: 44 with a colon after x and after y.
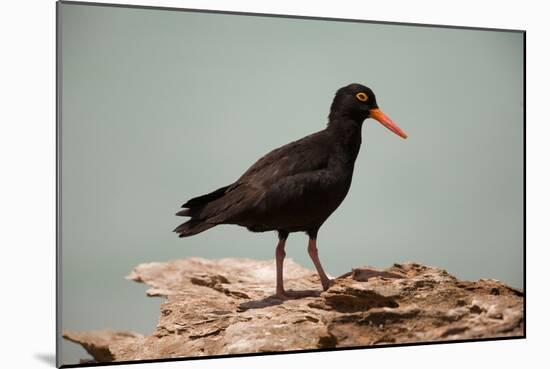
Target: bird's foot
x: 291, y: 294
x: 327, y: 283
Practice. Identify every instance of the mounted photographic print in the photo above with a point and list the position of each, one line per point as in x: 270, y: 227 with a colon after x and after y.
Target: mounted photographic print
x: 242, y: 184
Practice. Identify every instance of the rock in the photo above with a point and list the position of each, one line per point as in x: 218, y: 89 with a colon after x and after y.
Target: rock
x: 98, y: 342
x: 227, y: 306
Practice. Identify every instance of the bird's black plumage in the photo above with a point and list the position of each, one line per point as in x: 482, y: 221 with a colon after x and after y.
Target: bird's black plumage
x: 296, y: 187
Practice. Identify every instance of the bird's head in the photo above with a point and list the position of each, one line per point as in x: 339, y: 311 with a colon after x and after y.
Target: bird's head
x: 358, y: 102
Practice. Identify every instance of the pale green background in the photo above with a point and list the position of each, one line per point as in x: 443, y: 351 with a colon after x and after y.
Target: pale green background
x: 159, y: 106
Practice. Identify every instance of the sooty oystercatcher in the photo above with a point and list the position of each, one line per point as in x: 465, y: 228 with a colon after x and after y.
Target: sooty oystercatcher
x: 296, y: 187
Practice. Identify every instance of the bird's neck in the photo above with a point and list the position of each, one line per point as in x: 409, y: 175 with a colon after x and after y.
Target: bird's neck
x: 346, y: 135
x: 336, y: 116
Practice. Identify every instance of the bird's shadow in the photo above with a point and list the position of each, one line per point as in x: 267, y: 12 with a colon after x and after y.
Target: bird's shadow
x: 276, y: 300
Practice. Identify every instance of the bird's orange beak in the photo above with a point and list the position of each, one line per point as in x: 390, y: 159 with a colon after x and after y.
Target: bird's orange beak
x: 387, y: 122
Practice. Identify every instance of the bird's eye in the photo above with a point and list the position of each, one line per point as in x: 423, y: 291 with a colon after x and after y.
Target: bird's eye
x: 361, y: 96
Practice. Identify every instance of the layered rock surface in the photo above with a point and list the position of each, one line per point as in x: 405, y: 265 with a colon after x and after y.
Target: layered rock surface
x: 227, y: 306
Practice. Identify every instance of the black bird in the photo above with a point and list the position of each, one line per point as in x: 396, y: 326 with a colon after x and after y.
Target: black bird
x: 296, y: 187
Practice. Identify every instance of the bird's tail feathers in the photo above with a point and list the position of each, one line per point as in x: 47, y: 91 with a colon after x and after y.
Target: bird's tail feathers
x: 192, y: 227
x: 205, y: 199
x: 194, y: 207
x: 184, y: 213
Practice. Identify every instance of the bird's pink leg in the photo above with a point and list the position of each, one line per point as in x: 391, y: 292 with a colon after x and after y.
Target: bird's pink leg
x: 279, y: 259
x: 313, y: 254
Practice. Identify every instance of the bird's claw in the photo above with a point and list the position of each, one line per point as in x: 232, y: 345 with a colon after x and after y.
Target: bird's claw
x: 327, y: 283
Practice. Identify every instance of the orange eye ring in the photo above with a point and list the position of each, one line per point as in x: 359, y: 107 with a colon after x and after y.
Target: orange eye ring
x: 361, y: 96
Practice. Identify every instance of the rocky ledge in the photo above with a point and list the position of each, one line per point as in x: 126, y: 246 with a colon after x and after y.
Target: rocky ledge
x: 227, y: 306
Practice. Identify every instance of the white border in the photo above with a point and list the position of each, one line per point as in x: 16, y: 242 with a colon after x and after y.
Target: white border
x: 27, y: 155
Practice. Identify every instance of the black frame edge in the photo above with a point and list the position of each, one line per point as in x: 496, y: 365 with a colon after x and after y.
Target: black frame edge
x: 310, y: 351
x: 290, y: 16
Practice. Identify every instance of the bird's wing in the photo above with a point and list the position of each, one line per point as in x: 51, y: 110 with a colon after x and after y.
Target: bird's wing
x: 275, y: 179
x: 308, y: 154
